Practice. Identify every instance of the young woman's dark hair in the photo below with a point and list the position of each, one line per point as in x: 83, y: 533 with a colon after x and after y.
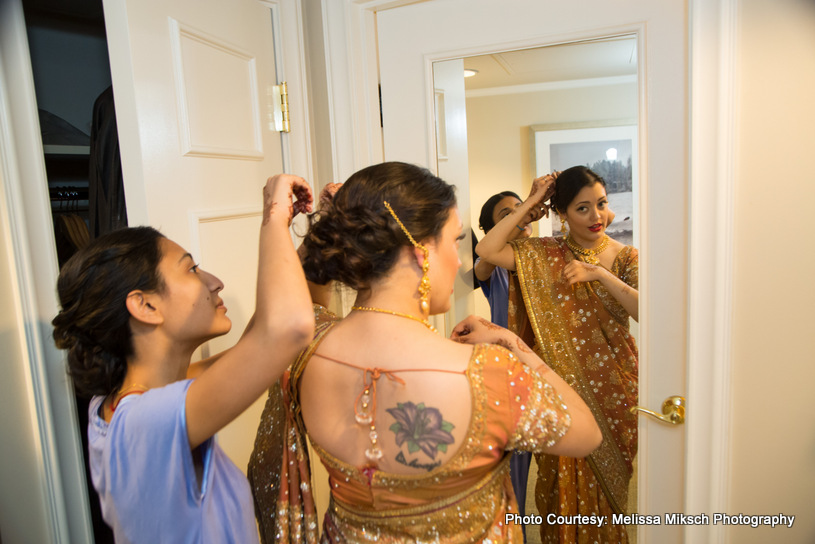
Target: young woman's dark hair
x: 355, y: 240
x: 485, y: 221
x: 94, y: 324
x: 570, y: 182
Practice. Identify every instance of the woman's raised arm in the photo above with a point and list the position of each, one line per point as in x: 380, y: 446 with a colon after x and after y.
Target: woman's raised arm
x: 494, y: 247
x: 282, y: 325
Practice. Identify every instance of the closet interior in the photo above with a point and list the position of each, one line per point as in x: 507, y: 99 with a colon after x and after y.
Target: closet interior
x: 69, y: 61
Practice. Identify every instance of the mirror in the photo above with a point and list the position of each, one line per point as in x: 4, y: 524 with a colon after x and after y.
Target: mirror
x: 504, y: 118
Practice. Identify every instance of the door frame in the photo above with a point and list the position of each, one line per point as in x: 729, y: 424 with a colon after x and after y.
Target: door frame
x: 713, y: 132
x: 54, y: 478
x: 712, y: 76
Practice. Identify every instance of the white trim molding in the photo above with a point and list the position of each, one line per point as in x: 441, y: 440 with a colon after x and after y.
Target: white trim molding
x: 290, y: 60
x: 179, y: 32
x: 713, y: 76
x: 198, y: 217
x: 54, y: 485
x: 349, y: 30
x: 553, y: 86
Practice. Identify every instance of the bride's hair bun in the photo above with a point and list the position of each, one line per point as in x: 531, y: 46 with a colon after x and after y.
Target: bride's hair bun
x: 355, y: 240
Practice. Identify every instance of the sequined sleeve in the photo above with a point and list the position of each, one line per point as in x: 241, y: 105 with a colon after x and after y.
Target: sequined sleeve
x: 627, y: 267
x: 323, y: 316
x: 539, y: 416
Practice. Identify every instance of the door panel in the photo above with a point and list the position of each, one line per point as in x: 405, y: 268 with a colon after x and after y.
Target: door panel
x: 460, y: 28
x: 193, y: 84
x: 190, y: 81
x: 234, y: 238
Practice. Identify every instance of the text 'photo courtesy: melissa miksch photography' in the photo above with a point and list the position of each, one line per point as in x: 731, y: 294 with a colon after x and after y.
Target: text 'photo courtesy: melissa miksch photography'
x: 771, y: 520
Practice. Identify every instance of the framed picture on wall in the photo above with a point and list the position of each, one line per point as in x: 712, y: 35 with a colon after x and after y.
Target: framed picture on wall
x: 609, y: 149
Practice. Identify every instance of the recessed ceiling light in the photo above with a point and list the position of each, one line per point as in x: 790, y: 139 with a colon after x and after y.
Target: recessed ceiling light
x: 469, y: 72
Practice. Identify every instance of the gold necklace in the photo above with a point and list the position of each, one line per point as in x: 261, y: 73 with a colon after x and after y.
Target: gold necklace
x: 424, y: 322
x: 134, y: 389
x: 589, y: 255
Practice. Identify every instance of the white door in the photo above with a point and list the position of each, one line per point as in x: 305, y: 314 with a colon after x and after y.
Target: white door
x: 412, y: 37
x: 193, y: 86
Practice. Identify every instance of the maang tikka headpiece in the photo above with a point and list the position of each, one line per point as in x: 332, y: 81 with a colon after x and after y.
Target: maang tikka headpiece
x: 424, y: 284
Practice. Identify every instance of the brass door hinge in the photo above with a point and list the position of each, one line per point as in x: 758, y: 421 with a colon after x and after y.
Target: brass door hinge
x: 280, y: 103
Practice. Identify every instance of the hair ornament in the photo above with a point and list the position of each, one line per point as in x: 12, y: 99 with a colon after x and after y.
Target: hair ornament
x: 424, y: 284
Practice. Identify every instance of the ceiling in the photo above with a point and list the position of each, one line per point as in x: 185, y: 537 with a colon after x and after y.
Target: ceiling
x: 607, y: 57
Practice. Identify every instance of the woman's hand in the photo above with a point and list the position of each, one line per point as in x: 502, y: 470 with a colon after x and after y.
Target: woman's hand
x: 543, y: 188
x: 477, y: 330
x: 474, y: 330
x: 287, y: 195
x: 578, y: 271
x: 628, y: 297
x: 584, y: 435
x: 282, y: 325
x: 327, y: 195
x: 495, y: 247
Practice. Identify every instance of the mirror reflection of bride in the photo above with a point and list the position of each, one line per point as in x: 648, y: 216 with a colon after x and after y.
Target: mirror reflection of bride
x: 571, y: 298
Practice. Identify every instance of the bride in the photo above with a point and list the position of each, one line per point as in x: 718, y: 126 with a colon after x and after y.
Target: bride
x: 415, y: 430
x: 571, y: 298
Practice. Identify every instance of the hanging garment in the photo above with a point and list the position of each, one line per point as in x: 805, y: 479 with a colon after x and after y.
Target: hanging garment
x: 106, y: 203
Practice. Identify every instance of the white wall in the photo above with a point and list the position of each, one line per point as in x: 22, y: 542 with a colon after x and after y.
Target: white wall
x: 773, y: 447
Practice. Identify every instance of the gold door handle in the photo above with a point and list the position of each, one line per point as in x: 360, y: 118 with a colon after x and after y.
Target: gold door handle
x: 673, y: 410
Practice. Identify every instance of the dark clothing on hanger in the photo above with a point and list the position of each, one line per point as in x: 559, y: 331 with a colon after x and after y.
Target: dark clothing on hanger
x: 106, y: 186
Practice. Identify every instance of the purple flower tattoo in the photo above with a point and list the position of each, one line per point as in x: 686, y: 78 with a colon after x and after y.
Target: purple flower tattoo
x: 421, y: 427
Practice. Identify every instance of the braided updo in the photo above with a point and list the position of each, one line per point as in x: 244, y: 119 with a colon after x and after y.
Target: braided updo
x: 94, y: 323
x: 355, y: 240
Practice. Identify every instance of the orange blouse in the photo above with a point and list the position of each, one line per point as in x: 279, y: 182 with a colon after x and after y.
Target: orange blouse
x: 462, y: 500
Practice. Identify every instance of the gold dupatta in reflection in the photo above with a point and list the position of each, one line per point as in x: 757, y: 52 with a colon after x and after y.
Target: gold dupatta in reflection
x: 582, y: 334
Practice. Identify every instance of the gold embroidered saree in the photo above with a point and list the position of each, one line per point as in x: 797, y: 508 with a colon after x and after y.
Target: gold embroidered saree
x: 583, y: 334
x: 465, y: 499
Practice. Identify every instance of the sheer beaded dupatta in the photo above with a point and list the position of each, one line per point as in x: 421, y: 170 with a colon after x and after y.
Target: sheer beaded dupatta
x: 279, y: 470
x: 582, y: 333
